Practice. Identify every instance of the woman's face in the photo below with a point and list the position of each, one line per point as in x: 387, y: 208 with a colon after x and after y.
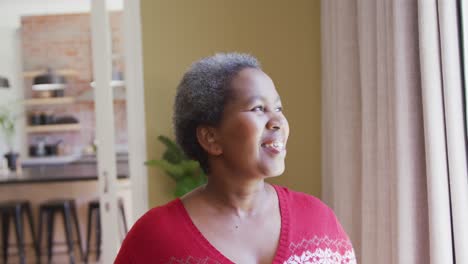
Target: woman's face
x: 253, y: 131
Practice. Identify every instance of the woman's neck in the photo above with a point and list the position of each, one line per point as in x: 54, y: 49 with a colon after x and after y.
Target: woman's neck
x: 245, y: 198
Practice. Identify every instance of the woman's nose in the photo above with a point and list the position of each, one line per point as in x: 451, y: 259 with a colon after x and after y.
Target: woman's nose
x: 274, y: 124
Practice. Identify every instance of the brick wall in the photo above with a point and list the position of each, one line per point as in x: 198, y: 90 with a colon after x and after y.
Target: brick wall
x: 64, y: 42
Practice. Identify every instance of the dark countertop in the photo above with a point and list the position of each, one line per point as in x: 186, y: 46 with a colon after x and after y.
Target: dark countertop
x: 81, y: 170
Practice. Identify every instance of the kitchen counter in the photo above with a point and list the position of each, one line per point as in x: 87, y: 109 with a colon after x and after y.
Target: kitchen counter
x: 81, y: 170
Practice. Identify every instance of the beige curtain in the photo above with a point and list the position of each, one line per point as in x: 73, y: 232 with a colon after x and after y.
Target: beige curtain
x: 394, y: 159
x: 443, y: 126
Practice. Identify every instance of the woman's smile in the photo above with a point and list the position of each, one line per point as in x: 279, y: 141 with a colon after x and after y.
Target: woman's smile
x: 274, y: 147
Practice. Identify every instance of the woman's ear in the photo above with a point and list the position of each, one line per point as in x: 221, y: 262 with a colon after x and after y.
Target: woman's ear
x: 206, y: 136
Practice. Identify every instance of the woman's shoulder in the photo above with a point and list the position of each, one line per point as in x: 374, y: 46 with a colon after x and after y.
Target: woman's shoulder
x: 159, y: 218
x: 154, y: 234
x: 309, y: 217
x: 300, y: 200
x: 306, y: 208
x: 162, y: 211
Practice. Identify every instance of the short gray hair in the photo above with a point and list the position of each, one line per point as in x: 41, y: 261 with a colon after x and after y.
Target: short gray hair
x: 201, y: 96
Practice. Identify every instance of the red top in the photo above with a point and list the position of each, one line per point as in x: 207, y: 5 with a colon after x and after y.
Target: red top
x: 310, y: 233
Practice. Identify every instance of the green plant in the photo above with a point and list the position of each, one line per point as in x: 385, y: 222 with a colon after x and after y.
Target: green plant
x: 7, y: 125
x: 185, y: 172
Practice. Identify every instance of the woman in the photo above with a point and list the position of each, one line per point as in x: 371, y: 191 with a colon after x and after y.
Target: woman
x: 228, y: 116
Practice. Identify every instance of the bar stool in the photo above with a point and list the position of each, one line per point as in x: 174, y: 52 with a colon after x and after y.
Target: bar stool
x: 67, y: 208
x: 16, y: 210
x: 93, y: 208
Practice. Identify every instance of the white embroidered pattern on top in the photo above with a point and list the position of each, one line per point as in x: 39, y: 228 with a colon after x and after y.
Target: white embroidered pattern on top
x: 321, y: 250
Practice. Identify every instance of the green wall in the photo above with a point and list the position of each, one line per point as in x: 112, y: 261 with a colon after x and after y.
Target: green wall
x: 283, y: 35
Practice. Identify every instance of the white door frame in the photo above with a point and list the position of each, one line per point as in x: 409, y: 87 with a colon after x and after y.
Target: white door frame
x: 105, y: 135
x: 136, y: 122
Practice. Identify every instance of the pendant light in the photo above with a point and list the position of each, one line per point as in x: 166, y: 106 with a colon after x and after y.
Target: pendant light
x: 4, y: 83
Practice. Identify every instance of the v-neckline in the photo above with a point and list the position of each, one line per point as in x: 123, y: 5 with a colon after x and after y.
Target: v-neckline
x: 280, y: 253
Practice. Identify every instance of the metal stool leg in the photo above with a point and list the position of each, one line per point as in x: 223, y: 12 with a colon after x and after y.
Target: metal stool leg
x: 88, y: 234
x: 5, y: 235
x: 28, y: 212
x: 68, y: 232
x: 124, y: 219
x: 77, y: 229
x: 98, y: 234
x: 42, y: 220
x: 19, y: 234
x: 50, y: 234
x: 39, y: 234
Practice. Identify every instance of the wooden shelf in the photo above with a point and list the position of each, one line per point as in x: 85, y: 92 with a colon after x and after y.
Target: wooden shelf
x: 49, y: 101
x: 64, y: 72
x: 53, y: 128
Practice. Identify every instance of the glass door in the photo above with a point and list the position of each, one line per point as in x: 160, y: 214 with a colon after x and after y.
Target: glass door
x: 118, y: 81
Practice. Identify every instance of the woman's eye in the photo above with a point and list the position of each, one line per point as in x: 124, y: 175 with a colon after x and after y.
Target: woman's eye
x: 258, y: 108
x: 262, y: 109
